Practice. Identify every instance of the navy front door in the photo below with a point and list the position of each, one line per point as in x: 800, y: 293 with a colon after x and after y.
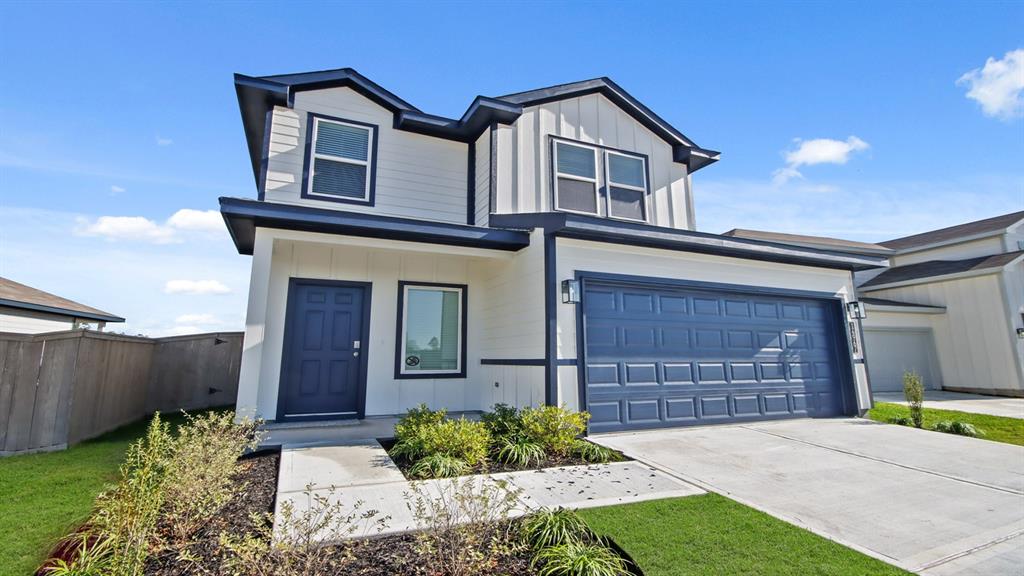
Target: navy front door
x: 323, y: 371
x: 661, y: 355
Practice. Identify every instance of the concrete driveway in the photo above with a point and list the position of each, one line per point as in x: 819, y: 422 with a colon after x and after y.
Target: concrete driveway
x: 928, y: 502
x: 976, y: 403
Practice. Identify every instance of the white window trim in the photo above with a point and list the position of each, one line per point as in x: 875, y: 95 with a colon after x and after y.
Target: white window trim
x: 314, y: 155
x: 405, y: 317
x: 594, y: 180
x: 609, y: 184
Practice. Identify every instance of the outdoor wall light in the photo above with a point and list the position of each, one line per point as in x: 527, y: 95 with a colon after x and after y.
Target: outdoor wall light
x: 856, y: 310
x: 570, y: 291
x: 1020, y: 333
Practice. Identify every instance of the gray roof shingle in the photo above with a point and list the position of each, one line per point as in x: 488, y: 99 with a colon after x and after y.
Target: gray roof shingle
x: 993, y: 224
x: 17, y: 295
x: 935, y: 268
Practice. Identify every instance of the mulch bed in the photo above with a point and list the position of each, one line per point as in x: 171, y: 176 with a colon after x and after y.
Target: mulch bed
x: 494, y: 467
x: 258, y: 472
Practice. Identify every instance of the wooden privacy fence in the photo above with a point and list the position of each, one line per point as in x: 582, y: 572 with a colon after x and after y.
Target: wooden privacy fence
x: 60, y: 388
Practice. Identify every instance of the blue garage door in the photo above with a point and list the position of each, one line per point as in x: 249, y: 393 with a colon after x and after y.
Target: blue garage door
x: 666, y: 356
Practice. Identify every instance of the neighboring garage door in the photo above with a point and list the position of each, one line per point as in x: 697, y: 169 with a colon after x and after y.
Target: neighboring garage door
x: 660, y: 356
x: 890, y: 353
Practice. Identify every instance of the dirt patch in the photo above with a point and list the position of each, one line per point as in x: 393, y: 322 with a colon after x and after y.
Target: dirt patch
x: 493, y: 467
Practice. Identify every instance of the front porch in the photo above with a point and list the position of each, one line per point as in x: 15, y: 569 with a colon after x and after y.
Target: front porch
x: 333, y: 350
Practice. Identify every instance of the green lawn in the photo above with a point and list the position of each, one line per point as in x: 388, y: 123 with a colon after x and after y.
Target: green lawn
x: 997, y: 428
x: 711, y: 534
x: 45, y: 496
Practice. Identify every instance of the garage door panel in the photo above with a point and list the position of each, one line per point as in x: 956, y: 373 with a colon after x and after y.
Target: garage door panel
x: 711, y: 358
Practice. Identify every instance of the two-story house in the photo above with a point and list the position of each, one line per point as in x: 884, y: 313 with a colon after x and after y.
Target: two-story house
x: 541, y: 248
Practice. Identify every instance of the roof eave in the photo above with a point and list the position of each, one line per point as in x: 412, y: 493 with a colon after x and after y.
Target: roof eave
x: 99, y: 317
x: 243, y: 216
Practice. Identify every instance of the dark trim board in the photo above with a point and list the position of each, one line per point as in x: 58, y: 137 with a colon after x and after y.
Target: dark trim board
x: 471, y: 184
x: 847, y: 375
x: 259, y: 94
x: 243, y: 216
x: 550, y: 320
x: 464, y: 320
x: 513, y: 362
x: 597, y: 229
x: 289, y: 329
x: 308, y: 156
x: 61, y: 311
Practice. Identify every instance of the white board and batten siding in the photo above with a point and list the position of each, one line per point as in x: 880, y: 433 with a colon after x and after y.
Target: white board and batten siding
x: 580, y: 255
x: 894, y: 351
x: 524, y: 156
x: 417, y: 176
x: 482, y: 177
x: 30, y: 322
x: 975, y: 339
x: 504, y: 317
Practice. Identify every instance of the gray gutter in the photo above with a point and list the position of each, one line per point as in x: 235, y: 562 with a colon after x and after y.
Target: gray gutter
x: 568, y: 225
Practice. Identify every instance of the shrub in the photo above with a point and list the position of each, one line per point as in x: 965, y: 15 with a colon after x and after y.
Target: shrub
x: 452, y: 515
x: 438, y: 466
x: 199, y: 474
x: 127, y: 515
x: 913, y: 391
x: 504, y: 422
x: 553, y: 528
x: 901, y: 420
x: 294, y: 545
x: 416, y: 418
x: 553, y: 427
x: 594, y: 453
x: 959, y: 428
x: 462, y: 439
x: 519, y: 452
x: 580, y: 559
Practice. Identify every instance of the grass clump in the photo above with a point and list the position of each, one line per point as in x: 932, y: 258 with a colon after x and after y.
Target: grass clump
x: 580, y: 559
x: 594, y: 453
x: 438, y: 466
x: 957, y: 427
x: 519, y: 452
x: 554, y: 527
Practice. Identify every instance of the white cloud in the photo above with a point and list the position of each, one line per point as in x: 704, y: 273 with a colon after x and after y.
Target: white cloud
x: 163, y: 141
x: 195, y: 287
x: 817, y: 151
x: 140, y: 228
x: 116, y: 190
x: 126, y: 228
x: 998, y: 86
x: 204, y: 220
x: 197, y: 319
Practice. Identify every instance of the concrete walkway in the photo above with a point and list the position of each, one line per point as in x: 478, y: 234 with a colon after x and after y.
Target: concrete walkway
x: 975, y: 403
x: 931, y: 503
x: 360, y: 476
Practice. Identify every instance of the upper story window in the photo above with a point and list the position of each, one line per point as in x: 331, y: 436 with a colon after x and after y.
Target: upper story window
x: 341, y: 164
x: 620, y: 191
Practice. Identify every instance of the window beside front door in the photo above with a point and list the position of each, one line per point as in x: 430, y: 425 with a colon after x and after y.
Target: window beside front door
x: 341, y: 160
x: 431, y: 334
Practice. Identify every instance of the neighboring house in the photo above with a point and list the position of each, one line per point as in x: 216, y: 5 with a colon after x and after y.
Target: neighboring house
x: 950, y: 306
x: 27, y: 310
x: 541, y: 248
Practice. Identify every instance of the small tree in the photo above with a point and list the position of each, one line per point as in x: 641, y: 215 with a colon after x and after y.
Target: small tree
x: 913, y: 391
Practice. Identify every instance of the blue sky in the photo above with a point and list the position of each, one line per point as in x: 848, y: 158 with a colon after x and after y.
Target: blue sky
x: 842, y: 119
